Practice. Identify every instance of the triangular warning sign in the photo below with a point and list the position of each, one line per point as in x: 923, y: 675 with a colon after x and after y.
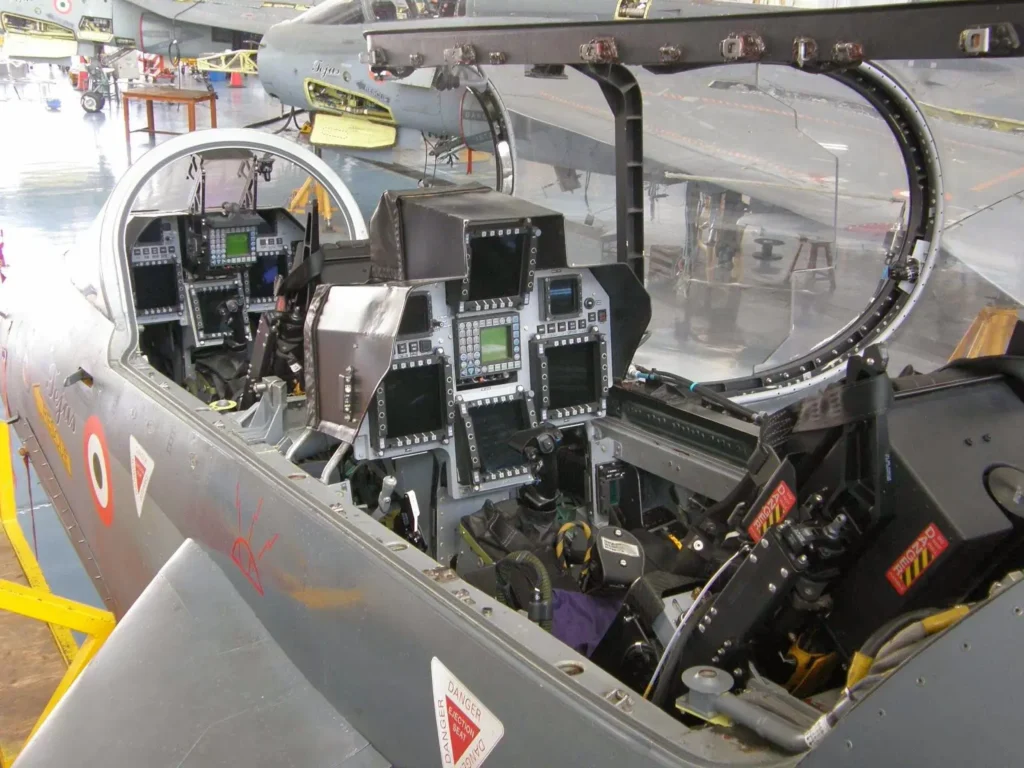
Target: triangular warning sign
x: 467, y: 731
x: 142, y: 472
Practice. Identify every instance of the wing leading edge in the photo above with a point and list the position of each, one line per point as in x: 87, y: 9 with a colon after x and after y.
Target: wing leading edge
x: 191, y: 677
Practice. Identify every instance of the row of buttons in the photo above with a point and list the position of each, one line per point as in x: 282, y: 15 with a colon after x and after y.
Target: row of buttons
x: 489, y: 322
x: 162, y: 250
x: 473, y: 368
x: 413, y: 347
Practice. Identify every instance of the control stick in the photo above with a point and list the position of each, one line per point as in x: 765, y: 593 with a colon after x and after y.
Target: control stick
x: 537, y: 445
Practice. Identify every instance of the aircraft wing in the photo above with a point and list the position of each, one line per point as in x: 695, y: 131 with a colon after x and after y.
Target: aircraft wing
x: 253, y: 16
x: 191, y: 677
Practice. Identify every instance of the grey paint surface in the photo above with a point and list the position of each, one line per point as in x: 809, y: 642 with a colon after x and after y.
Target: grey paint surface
x: 971, y: 676
x: 190, y: 677
x: 360, y: 619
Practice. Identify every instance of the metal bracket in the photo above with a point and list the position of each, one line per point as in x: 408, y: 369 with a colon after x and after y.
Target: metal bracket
x: 622, y: 93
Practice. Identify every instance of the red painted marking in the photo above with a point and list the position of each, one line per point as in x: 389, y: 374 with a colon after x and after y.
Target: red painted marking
x: 93, y: 426
x: 241, y: 549
x: 774, y: 511
x: 462, y: 729
x: 930, y: 539
x: 140, y: 473
x: 62, y: 7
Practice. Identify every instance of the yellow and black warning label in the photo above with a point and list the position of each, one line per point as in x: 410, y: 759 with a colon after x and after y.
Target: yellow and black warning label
x: 773, y: 512
x: 922, y: 552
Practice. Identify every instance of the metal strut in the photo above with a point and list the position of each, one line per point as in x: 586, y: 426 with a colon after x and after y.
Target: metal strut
x: 622, y: 93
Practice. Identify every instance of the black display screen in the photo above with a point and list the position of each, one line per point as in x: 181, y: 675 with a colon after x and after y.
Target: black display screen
x: 572, y: 374
x: 153, y: 233
x: 563, y: 297
x: 261, y: 277
x: 156, y: 286
x: 213, y: 312
x: 416, y: 316
x: 412, y: 401
x: 493, y: 426
x: 496, y: 266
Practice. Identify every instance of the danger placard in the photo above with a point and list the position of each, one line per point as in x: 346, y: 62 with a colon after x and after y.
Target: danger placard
x: 773, y: 512
x: 912, y: 564
x: 467, y: 731
x: 142, y: 472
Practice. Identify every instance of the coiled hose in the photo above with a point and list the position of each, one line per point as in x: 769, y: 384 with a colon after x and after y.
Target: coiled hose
x: 503, y: 569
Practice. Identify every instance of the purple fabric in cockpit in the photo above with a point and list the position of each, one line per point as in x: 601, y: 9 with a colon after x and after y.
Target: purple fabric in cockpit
x: 580, y: 621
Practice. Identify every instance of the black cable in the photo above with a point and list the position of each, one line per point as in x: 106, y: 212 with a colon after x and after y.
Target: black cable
x: 708, y: 395
x: 293, y: 115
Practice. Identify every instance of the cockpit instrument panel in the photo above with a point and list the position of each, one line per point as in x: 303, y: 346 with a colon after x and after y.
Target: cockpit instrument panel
x: 157, y: 279
x: 502, y: 259
x: 217, y: 311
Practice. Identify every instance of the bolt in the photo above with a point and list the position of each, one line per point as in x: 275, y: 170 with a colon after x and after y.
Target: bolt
x: 713, y: 611
x: 623, y: 563
x: 753, y: 559
x: 701, y: 628
x: 987, y: 438
x: 697, y: 545
x: 968, y: 442
x: 772, y: 588
x: 764, y: 543
x: 727, y: 644
x: 618, y: 531
x: 802, y: 559
x: 783, y: 572
x: 737, y: 672
x: 714, y: 659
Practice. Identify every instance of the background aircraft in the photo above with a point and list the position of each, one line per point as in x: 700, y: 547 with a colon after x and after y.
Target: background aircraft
x: 54, y: 30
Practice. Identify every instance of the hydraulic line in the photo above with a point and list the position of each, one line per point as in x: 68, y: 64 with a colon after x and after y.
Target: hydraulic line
x: 542, y: 583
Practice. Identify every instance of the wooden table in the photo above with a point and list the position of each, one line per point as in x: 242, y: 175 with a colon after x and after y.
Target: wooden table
x: 169, y: 96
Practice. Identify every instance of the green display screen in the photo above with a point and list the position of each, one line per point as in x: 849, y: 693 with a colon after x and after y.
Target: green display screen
x: 495, y: 345
x: 236, y: 244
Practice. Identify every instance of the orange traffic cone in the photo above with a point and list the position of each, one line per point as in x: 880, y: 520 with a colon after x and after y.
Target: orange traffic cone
x: 236, y: 80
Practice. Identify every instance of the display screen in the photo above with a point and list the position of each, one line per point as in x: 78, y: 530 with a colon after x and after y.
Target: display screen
x: 213, y: 309
x: 495, y: 345
x: 493, y: 426
x: 563, y: 297
x: 156, y: 286
x: 412, y: 400
x: 236, y: 244
x: 572, y: 374
x: 496, y: 266
x: 153, y: 233
x: 416, y: 316
x: 262, y: 275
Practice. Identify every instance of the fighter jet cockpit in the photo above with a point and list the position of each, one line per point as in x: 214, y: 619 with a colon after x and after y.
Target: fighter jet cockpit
x: 683, y: 462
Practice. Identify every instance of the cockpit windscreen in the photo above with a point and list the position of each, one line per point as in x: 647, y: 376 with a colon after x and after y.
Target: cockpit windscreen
x: 495, y: 266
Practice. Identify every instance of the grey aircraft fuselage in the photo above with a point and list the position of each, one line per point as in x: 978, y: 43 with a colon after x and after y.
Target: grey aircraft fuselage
x: 359, y: 613
x: 54, y: 30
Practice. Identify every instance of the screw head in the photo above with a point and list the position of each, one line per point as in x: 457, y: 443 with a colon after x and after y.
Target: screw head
x: 772, y: 588
x: 623, y: 563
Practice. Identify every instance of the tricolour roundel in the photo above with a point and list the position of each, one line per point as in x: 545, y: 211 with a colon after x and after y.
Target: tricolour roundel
x: 62, y: 6
x: 97, y: 469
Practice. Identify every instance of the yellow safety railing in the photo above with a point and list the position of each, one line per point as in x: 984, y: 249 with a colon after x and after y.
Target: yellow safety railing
x: 232, y: 61
x: 35, y: 601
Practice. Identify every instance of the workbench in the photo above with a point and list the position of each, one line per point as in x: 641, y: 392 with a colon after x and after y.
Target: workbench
x: 168, y: 96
